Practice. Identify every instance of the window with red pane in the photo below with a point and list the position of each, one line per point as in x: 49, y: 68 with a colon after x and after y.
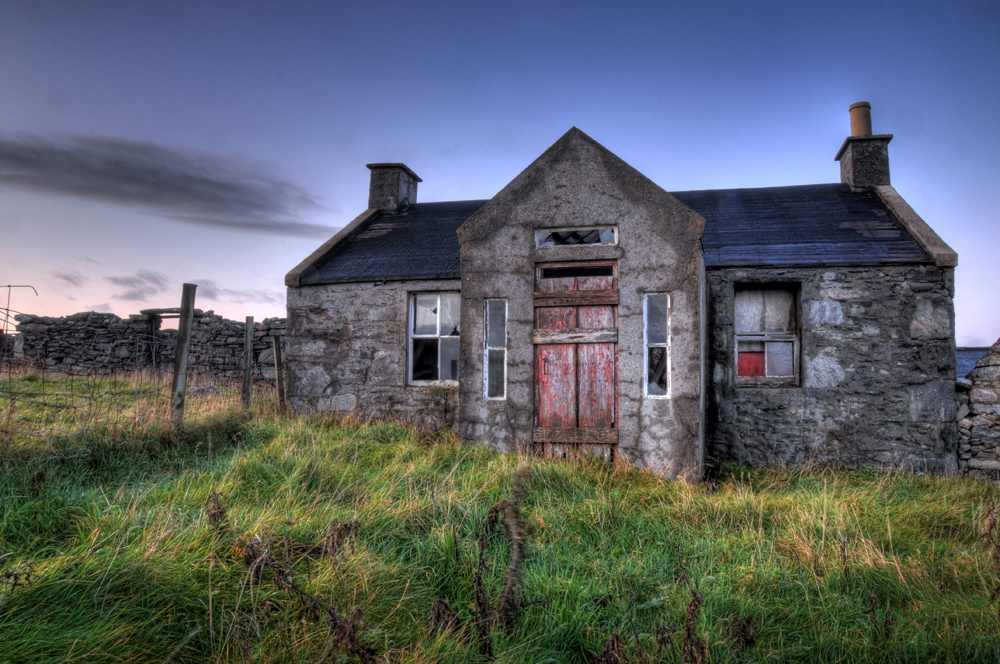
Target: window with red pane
x: 765, y: 320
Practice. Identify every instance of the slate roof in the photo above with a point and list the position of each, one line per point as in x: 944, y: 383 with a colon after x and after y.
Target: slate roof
x: 823, y: 224
x: 417, y: 243
x: 819, y: 224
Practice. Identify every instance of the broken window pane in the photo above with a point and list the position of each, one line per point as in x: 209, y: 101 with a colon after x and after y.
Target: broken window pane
x: 575, y: 236
x: 434, y: 336
x: 449, y: 358
x: 656, y: 312
x: 780, y: 358
x: 496, y: 361
x: 656, y: 319
x: 656, y: 376
x: 425, y: 359
x: 578, y: 271
x: 451, y: 307
x: 425, y: 315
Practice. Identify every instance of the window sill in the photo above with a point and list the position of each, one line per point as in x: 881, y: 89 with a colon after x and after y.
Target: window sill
x: 433, y: 383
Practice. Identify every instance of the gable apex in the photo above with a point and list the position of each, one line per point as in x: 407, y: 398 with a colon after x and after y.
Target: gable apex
x: 576, y: 181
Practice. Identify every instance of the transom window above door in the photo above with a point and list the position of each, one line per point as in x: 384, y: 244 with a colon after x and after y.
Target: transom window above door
x: 563, y: 237
x: 434, y: 328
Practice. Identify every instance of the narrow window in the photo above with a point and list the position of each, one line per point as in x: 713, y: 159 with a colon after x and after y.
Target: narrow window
x: 656, y: 332
x: 765, y: 323
x: 434, y: 333
x: 495, y: 360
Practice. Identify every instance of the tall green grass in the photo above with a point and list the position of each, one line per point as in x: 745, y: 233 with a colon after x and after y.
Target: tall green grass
x: 126, y: 564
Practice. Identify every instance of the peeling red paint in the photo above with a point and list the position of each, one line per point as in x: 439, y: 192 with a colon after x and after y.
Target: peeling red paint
x: 576, y: 384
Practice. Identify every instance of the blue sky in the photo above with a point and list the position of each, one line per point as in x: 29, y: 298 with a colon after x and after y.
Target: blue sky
x: 147, y: 144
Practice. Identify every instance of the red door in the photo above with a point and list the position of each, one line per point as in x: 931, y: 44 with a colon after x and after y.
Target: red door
x: 576, y: 358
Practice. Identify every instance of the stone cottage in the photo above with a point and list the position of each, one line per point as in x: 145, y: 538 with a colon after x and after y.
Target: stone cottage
x: 585, y: 310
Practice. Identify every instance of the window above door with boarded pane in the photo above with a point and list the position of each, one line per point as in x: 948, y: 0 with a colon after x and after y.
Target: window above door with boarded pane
x: 765, y: 323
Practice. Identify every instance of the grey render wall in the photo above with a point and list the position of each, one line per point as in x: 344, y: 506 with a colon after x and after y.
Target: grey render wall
x: 577, y: 182
x: 347, y: 353
x: 877, y: 372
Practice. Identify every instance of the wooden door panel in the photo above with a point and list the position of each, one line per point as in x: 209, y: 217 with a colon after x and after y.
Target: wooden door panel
x: 596, y: 366
x: 595, y: 283
x: 555, y: 318
x: 555, y: 386
x: 596, y: 369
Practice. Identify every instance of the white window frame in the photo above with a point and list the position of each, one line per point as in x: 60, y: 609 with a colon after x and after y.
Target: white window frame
x: 487, y: 348
x: 410, y: 336
x: 646, y: 345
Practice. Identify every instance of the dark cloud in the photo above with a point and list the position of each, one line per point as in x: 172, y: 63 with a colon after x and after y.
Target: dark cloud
x: 73, y: 278
x: 209, y: 290
x: 196, y: 189
x: 140, y: 285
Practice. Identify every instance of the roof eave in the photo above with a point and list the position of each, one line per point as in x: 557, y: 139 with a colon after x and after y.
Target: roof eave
x: 294, y: 277
x: 943, y: 255
x: 369, y: 279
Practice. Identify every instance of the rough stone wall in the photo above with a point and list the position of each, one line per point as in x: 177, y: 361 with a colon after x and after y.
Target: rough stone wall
x: 7, y: 344
x: 347, y: 353
x: 877, y: 378
x: 979, y: 417
x: 103, y: 343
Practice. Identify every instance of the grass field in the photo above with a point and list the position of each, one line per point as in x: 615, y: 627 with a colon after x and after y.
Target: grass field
x: 262, y: 538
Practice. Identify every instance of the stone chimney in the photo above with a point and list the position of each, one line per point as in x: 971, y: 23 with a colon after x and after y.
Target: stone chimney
x: 864, y: 157
x: 392, y: 186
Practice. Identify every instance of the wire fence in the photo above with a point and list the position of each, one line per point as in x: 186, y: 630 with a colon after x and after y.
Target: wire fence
x: 77, y: 378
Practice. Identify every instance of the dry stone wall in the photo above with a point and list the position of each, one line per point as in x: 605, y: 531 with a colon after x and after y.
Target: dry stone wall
x: 979, y: 417
x: 102, y: 343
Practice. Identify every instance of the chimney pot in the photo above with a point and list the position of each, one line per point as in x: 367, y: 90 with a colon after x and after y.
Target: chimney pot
x: 861, y: 119
x: 391, y: 186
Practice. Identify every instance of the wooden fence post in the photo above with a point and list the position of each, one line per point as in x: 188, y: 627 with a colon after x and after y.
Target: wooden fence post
x: 181, y: 353
x: 279, y: 371
x: 247, y: 361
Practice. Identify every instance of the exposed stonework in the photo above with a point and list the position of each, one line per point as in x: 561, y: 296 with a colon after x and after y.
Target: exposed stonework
x: 103, y: 343
x: 979, y: 418
x: 347, y: 352
x: 877, y: 372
